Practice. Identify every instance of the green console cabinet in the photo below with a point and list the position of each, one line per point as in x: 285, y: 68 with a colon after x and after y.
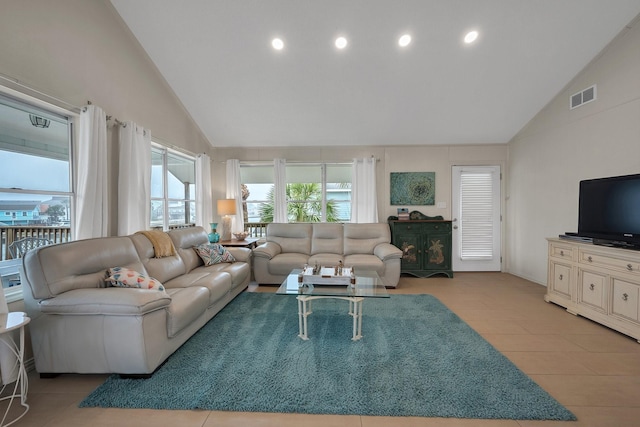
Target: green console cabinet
x: 425, y: 245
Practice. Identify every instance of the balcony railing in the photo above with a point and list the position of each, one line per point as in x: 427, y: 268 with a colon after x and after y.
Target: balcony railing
x: 9, y: 234
x: 256, y: 229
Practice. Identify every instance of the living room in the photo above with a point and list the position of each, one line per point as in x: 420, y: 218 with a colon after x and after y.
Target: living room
x: 77, y: 51
x: 541, y: 165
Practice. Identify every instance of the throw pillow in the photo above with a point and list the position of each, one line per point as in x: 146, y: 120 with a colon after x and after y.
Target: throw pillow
x: 213, y: 253
x: 127, y: 278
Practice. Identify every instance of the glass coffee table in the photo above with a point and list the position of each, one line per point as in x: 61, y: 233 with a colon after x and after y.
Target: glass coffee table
x: 368, y: 285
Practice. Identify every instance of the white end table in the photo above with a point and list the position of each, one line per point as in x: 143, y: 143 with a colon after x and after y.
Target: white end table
x: 8, y: 347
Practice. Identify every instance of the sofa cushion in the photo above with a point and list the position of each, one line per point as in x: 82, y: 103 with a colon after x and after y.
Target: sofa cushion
x: 363, y: 238
x: 54, y: 269
x: 291, y: 237
x: 106, y: 301
x: 163, y: 269
x: 213, y: 253
x: 365, y: 262
x: 184, y: 239
x: 327, y: 238
x: 217, y: 282
x: 187, y: 304
x: 129, y: 278
x: 283, y: 264
x: 240, y: 271
x: 325, y: 259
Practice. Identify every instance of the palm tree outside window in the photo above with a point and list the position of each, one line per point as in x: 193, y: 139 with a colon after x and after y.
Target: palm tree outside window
x: 318, y: 192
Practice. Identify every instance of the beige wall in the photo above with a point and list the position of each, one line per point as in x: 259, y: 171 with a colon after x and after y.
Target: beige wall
x: 79, y: 51
x: 560, y: 147
x: 438, y: 159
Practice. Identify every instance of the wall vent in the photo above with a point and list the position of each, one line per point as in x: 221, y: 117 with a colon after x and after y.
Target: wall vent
x: 582, y: 97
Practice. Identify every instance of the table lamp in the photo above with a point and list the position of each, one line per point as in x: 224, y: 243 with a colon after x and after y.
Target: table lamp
x: 226, y: 208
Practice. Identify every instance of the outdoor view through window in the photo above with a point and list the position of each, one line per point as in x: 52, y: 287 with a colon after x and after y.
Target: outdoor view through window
x: 35, y: 184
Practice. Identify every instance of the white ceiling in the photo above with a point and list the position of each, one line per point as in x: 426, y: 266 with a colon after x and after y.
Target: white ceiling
x: 217, y: 57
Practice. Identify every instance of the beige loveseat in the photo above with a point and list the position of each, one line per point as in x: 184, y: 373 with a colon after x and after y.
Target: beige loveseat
x: 289, y: 246
x: 80, y: 325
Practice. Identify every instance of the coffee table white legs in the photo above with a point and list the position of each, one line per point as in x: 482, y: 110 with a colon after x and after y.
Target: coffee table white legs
x: 304, y: 310
x: 355, y: 310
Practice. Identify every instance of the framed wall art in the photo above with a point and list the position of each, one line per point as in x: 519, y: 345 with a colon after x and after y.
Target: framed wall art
x: 413, y: 188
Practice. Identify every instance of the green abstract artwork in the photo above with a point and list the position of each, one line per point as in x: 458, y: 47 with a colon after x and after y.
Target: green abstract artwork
x: 413, y: 188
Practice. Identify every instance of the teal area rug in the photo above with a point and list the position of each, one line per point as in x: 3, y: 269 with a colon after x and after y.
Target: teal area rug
x: 416, y: 358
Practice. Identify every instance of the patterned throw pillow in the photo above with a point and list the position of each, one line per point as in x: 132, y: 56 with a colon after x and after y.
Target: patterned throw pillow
x: 126, y: 278
x: 213, y: 253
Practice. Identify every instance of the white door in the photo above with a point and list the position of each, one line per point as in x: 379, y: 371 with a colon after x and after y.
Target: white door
x: 475, y: 207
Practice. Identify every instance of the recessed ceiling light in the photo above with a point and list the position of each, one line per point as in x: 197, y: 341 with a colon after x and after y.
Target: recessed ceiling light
x: 341, y: 42
x: 277, y: 44
x: 404, y: 40
x: 471, y: 37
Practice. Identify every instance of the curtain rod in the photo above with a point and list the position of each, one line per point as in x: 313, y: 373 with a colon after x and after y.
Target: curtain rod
x: 47, y: 98
x: 270, y: 162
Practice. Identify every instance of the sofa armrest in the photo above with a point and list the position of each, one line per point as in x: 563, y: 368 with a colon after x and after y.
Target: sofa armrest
x: 267, y: 250
x: 106, y: 301
x: 386, y: 251
x: 240, y: 254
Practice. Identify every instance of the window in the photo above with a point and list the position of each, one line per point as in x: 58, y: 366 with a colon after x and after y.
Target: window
x: 316, y: 192
x: 257, y: 182
x: 173, y: 188
x: 36, y: 196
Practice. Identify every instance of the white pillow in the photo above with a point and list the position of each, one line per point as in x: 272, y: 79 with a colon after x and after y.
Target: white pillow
x: 127, y: 278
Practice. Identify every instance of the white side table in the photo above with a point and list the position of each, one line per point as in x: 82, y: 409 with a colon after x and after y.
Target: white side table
x: 8, y: 347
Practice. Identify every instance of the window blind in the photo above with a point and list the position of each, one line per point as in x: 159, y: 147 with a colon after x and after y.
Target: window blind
x: 476, y: 219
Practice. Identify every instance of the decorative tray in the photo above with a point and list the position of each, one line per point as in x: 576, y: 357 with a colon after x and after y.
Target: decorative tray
x: 327, y: 276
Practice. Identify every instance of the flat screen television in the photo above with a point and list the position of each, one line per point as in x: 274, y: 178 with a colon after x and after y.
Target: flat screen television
x: 609, y: 211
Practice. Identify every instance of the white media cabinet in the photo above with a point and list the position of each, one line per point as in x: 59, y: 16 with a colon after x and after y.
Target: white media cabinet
x: 597, y: 282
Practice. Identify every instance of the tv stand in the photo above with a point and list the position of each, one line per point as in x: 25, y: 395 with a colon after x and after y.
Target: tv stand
x: 615, y: 244
x: 598, y: 282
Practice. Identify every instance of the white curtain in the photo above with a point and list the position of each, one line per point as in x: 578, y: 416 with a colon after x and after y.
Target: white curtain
x: 234, y: 191
x: 364, y: 200
x: 91, y: 152
x: 134, y: 179
x: 204, y: 201
x: 280, y: 191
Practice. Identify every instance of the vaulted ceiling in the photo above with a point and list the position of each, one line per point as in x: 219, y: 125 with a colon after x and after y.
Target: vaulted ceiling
x: 217, y: 56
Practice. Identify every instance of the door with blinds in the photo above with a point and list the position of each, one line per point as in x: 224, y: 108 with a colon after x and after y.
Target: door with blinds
x: 475, y: 207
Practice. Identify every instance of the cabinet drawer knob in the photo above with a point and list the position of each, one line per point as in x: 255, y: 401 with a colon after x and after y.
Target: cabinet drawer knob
x: 592, y: 286
x: 625, y: 296
x: 560, y: 277
x: 629, y: 267
x: 561, y: 253
x: 589, y: 258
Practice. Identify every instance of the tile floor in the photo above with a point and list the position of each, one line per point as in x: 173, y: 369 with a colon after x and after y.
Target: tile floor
x: 592, y: 370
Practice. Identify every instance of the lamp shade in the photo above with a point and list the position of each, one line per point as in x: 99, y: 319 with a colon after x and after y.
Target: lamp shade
x: 227, y: 207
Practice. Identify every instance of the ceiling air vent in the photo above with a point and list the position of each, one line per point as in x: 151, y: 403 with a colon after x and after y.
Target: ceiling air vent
x: 582, y: 97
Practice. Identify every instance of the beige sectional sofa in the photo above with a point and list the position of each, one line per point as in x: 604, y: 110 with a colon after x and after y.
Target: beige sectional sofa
x: 290, y: 246
x: 80, y: 325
